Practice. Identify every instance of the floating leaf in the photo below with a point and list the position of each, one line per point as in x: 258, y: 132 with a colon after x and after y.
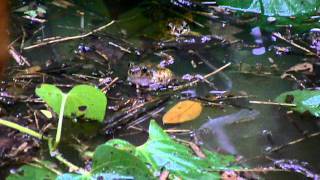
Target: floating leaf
x: 273, y: 7
x: 32, y: 172
x: 82, y: 100
x: 182, y: 112
x: 305, y: 100
x: 161, y: 152
x: 295, y: 13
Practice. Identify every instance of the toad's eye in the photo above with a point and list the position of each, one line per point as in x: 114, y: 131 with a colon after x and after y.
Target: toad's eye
x: 144, y: 70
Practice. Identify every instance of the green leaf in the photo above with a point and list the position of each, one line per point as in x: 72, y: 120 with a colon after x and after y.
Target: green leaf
x: 273, y: 7
x: 32, y: 172
x: 108, y: 163
x: 110, y: 159
x: 161, y: 152
x: 305, y: 100
x: 281, y: 10
x: 112, y: 163
x: 82, y: 100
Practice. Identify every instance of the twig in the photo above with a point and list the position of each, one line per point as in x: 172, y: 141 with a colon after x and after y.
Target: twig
x: 105, y: 89
x: 120, y: 47
x: 18, y: 57
x: 257, y: 170
x: 278, y: 35
x: 164, y: 175
x: 272, y: 103
x: 177, y: 131
x: 294, y: 142
x: 69, y: 38
x: 35, y: 19
x: 195, y: 148
x: 205, y: 77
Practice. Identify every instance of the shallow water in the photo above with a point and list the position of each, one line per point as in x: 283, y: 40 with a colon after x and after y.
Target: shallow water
x: 247, y: 138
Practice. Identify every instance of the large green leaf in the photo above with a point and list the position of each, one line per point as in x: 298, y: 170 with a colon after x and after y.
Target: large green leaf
x: 112, y: 163
x: 273, y: 7
x: 118, y: 159
x: 32, y: 172
x: 82, y: 100
x: 281, y: 10
x: 161, y: 152
x: 305, y: 100
x: 108, y: 163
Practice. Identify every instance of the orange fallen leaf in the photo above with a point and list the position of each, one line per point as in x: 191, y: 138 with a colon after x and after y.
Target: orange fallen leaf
x: 182, y: 112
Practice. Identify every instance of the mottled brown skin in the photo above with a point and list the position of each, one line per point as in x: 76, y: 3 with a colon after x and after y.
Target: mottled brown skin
x: 148, y: 76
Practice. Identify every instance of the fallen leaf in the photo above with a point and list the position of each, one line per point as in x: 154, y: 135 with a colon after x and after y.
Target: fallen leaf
x: 182, y: 112
x: 47, y: 114
x: 301, y: 67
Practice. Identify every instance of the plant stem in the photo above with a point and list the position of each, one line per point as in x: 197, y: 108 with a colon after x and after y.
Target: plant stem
x: 59, y: 129
x: 22, y: 129
x: 59, y: 157
x: 71, y: 166
x: 42, y: 164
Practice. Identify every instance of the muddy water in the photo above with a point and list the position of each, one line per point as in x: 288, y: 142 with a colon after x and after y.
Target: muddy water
x: 246, y: 138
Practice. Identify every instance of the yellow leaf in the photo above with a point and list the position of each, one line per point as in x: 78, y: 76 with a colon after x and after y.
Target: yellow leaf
x: 182, y: 112
x: 46, y: 113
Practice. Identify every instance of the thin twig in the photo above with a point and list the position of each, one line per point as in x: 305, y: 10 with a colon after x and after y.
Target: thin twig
x: 272, y: 103
x: 164, y: 175
x: 106, y: 88
x: 294, y: 142
x: 69, y: 38
x: 21, y: 60
x: 278, y: 35
x: 195, y: 148
x: 177, y: 130
x: 205, y: 77
x: 35, y: 19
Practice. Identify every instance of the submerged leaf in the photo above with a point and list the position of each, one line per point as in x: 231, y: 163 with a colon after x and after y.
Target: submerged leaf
x: 161, y: 152
x: 305, y: 101
x: 182, y: 112
x: 82, y: 100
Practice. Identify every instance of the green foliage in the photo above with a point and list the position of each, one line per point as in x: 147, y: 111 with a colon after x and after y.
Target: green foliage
x: 161, y: 152
x: 108, y: 163
x: 274, y: 7
x: 305, y: 100
x: 111, y: 163
x: 118, y: 159
x: 280, y: 9
x: 32, y: 172
x: 82, y: 100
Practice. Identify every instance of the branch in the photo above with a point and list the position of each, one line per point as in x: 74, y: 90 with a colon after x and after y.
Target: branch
x: 63, y: 39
